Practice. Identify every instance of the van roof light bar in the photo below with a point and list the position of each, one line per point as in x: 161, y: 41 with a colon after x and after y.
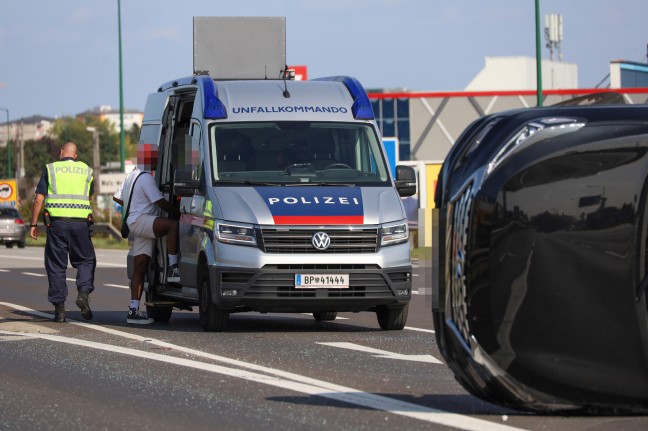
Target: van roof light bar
x: 361, y: 108
x: 212, y: 105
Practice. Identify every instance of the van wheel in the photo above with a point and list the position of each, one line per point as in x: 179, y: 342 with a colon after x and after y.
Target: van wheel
x: 392, y: 319
x: 21, y: 244
x: 212, y: 318
x: 159, y: 314
x: 325, y: 316
x: 9, y: 245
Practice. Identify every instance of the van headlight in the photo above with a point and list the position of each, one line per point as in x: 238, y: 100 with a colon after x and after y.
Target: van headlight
x: 232, y: 233
x: 394, y: 233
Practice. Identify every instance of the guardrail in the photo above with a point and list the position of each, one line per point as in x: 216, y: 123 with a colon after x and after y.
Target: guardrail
x: 107, y: 229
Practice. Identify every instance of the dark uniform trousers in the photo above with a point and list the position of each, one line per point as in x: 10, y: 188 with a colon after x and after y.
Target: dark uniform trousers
x: 66, y: 238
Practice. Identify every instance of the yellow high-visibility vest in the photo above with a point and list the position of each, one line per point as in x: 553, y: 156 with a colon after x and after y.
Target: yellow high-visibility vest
x: 68, y: 191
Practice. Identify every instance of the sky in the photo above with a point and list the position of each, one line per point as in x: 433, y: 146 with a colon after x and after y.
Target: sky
x: 61, y: 58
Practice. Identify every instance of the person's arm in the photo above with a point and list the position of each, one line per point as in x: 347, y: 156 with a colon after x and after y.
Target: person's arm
x: 118, y: 196
x: 153, y: 194
x: 38, y: 205
x: 39, y: 198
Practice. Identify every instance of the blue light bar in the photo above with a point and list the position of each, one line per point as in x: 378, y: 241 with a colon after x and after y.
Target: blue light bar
x: 213, y: 107
x: 361, y: 108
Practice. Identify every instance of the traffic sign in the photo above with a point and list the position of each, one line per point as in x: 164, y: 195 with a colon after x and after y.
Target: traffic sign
x: 8, y: 192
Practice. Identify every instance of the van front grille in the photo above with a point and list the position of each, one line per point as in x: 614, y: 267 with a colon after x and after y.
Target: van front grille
x: 296, y: 240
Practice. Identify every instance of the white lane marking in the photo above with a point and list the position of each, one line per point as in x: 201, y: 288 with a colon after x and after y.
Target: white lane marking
x: 431, y: 331
x: 33, y: 273
x: 384, y: 353
x: 40, y: 259
x: 307, y: 314
x: 117, y: 285
x: 4, y: 270
x: 342, y: 394
x: 14, y: 256
x: 112, y: 265
x: 67, y: 279
x: 295, y: 382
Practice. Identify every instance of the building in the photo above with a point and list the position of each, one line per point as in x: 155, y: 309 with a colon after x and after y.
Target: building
x: 37, y: 127
x: 24, y: 129
x: 628, y: 74
x: 427, y: 124
x: 112, y: 116
x: 519, y: 73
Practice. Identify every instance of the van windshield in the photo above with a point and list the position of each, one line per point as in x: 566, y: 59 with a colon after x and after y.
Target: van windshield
x: 297, y: 152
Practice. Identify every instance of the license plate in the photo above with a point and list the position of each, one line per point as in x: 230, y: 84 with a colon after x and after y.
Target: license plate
x: 321, y: 281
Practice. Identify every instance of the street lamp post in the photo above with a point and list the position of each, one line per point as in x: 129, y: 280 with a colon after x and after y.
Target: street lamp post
x: 95, y: 158
x: 538, y: 55
x: 8, y: 146
x: 121, y: 92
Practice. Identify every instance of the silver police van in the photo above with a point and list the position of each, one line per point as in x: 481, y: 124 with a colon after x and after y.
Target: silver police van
x: 287, y: 201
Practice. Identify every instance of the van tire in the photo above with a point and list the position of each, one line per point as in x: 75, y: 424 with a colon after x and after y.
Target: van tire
x: 325, y: 316
x: 212, y: 318
x: 392, y: 318
x: 159, y: 314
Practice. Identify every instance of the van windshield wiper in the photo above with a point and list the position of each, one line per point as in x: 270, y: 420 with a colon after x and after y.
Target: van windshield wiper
x: 325, y: 184
x: 249, y: 183
x: 276, y: 184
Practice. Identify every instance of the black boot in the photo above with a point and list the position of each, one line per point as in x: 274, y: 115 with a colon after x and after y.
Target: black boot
x: 59, y: 312
x: 83, y: 302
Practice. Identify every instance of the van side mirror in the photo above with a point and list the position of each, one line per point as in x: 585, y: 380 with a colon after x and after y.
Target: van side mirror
x: 185, y: 185
x: 405, y: 180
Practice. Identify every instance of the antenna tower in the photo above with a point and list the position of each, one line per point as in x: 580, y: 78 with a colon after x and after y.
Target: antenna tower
x: 554, y: 35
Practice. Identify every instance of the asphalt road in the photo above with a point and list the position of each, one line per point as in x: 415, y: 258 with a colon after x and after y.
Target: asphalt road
x: 266, y: 372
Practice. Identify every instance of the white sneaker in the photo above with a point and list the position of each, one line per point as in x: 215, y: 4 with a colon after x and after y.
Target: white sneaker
x: 135, y: 318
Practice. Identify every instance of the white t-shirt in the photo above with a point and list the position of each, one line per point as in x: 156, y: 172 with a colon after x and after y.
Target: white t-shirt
x: 143, y: 197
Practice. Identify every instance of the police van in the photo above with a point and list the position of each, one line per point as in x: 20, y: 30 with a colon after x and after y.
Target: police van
x: 287, y: 201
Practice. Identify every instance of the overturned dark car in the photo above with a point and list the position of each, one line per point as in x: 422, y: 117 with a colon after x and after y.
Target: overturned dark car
x: 539, y: 302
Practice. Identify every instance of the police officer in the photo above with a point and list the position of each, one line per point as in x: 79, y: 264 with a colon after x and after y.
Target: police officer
x: 65, y: 187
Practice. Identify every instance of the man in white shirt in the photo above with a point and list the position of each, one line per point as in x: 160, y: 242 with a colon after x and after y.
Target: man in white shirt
x: 144, y: 221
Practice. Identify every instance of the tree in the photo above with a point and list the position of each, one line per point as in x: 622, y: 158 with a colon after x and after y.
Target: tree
x: 38, y: 153
x: 4, y: 160
x: 75, y: 130
x: 132, y: 136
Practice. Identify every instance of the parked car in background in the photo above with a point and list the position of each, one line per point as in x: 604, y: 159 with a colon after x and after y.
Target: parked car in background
x: 12, y: 228
x: 540, y: 301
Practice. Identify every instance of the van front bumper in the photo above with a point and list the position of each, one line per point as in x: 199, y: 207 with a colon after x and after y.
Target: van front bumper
x: 272, y: 288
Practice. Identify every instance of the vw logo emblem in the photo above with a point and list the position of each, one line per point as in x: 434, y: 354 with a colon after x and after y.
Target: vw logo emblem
x: 321, y: 240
